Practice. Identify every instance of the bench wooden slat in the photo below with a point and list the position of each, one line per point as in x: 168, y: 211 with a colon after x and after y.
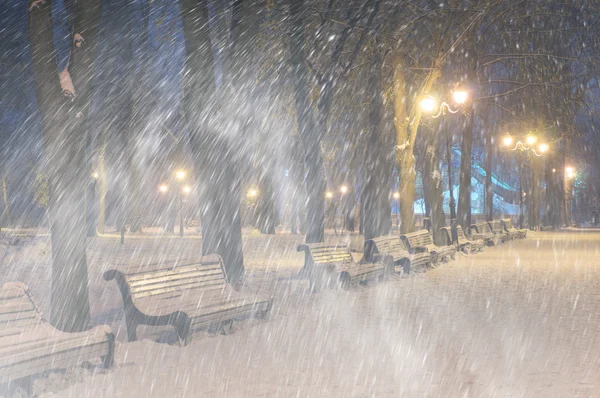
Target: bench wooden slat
x: 178, y: 271
x: 327, y: 262
x: 183, y: 296
x: 422, y: 240
x: 55, y: 361
x: 174, y: 288
x: 28, y: 345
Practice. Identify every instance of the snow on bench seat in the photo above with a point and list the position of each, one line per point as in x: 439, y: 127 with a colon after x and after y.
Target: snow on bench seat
x: 29, y: 345
x: 188, y: 297
x: 421, y: 241
x: 330, y: 264
x: 392, y: 252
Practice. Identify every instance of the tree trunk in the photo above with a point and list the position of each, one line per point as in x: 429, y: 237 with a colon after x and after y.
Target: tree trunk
x: 141, y: 108
x: 377, y: 165
x: 534, y: 192
x: 432, y: 184
x: 6, y: 201
x: 63, y: 125
x: 221, y: 193
x: 267, y: 217
x: 102, y: 185
x: 489, y: 194
x: 310, y: 135
x: 464, y: 193
x: 404, y: 155
x: 407, y: 126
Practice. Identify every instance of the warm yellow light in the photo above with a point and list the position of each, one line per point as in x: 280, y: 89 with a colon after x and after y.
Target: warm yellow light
x: 569, y: 172
x: 531, y: 139
x: 460, y: 96
x: 543, y: 148
x: 329, y: 195
x: 554, y: 170
x: 396, y: 195
x: 253, y: 193
x: 163, y: 188
x: 343, y: 189
x: 428, y: 104
x: 187, y: 189
x: 507, y: 140
x: 180, y: 174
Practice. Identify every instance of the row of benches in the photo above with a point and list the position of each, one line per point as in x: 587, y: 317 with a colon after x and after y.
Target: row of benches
x: 197, y: 296
x: 188, y: 297
x: 332, y: 264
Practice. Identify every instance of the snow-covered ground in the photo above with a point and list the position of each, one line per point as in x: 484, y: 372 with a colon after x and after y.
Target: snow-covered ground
x: 519, y: 320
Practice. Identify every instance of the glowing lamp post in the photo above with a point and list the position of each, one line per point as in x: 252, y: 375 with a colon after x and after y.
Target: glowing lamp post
x: 180, y: 175
x: 329, y: 195
x: 525, y: 145
x: 396, y: 196
x: 570, y: 175
x: 429, y: 105
x: 344, y: 191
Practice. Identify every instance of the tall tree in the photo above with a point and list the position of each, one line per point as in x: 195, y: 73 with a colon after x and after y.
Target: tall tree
x: 216, y: 160
x: 309, y: 134
x: 65, y: 146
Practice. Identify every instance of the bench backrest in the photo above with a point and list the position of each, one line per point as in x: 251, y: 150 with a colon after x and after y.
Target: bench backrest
x: 322, y: 253
x: 482, y: 227
x: 206, y: 275
x: 418, y: 239
x: 496, y: 226
x: 390, y: 244
x: 508, y: 224
x: 17, y: 310
x: 460, y: 232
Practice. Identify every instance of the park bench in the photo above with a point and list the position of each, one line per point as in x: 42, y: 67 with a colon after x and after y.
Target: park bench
x: 188, y: 297
x: 29, y: 345
x: 421, y: 241
x: 497, y: 228
x: 465, y: 243
x: 331, y: 264
x: 391, y: 251
x: 508, y: 227
x: 484, y: 231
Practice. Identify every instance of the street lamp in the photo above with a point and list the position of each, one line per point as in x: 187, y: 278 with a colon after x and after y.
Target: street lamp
x: 428, y: 104
x: 396, y: 196
x: 180, y: 175
x: 569, y: 177
x: 163, y: 188
x: 329, y: 195
x: 343, y: 190
x: 526, y: 145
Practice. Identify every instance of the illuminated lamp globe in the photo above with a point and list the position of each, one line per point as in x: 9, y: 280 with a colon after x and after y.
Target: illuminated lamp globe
x: 428, y: 104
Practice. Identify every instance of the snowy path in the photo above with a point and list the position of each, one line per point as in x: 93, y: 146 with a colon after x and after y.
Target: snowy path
x: 519, y: 320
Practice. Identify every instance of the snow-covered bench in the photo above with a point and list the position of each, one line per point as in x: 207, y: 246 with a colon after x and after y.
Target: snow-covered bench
x: 391, y: 251
x: 482, y: 230
x: 327, y: 264
x: 188, y: 297
x: 464, y: 243
x: 508, y: 227
x: 29, y: 345
x: 421, y: 241
x: 498, y: 228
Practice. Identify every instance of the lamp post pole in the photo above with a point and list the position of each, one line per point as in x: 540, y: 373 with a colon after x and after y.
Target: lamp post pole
x: 451, y: 202
x: 520, y: 171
